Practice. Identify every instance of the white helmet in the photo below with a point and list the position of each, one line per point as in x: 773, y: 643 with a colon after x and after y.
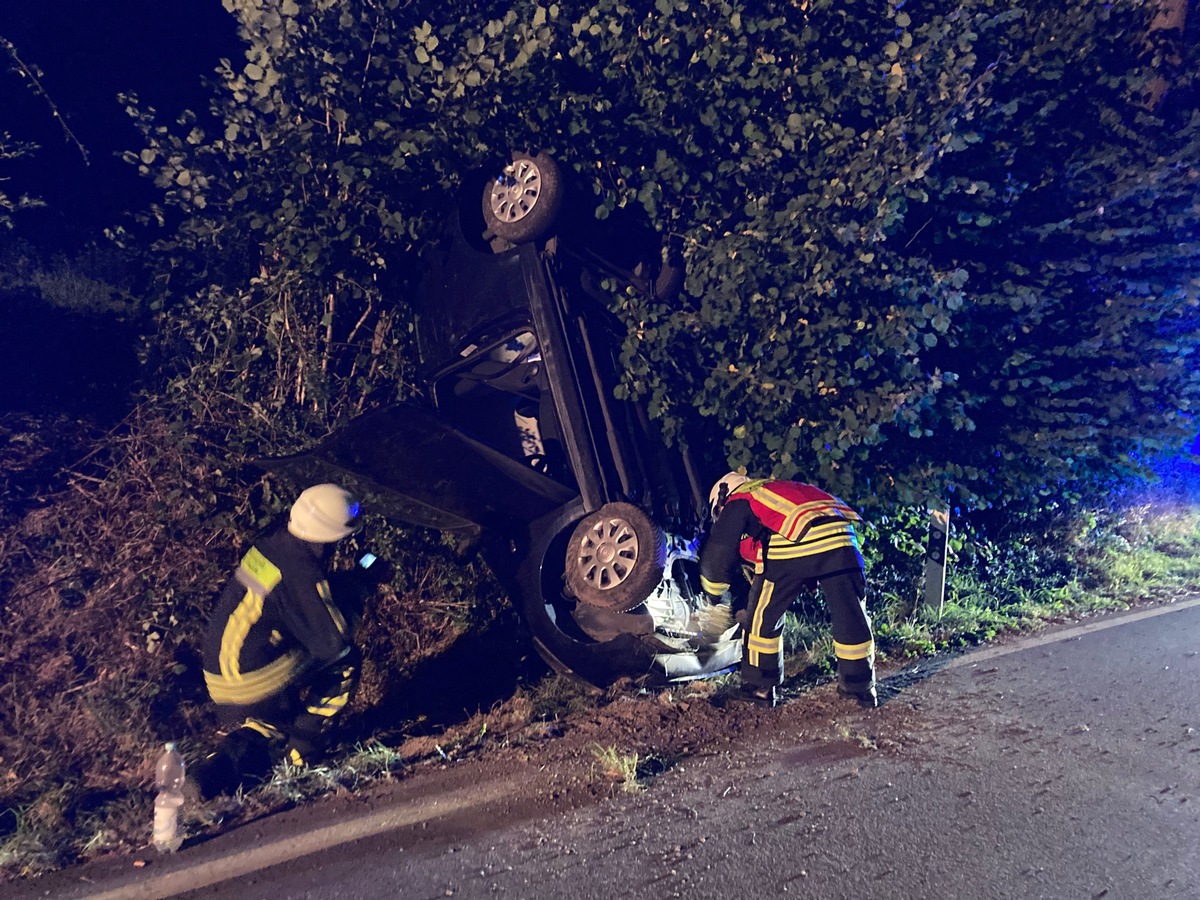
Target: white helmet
x: 721, y: 491
x: 324, y: 514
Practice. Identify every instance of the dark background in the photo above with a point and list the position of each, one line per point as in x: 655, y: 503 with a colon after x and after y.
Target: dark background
x: 89, y: 51
x: 67, y: 359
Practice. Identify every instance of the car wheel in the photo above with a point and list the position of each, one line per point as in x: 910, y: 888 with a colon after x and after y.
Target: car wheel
x: 615, y: 557
x: 670, y: 279
x: 662, y: 280
x: 549, y: 612
x: 521, y: 204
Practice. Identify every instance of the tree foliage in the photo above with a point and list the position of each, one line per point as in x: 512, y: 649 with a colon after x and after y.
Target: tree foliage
x: 940, y: 252
x: 12, y: 150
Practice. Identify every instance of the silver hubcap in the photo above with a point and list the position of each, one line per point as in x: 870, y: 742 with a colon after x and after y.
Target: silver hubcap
x: 608, y: 553
x: 516, y: 191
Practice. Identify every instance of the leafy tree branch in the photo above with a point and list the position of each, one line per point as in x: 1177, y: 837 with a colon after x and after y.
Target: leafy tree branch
x: 945, y: 252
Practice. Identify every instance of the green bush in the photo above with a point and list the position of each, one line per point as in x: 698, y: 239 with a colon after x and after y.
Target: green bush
x: 934, y: 254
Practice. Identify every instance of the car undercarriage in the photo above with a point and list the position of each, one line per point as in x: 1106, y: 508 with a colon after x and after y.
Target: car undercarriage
x: 585, y: 514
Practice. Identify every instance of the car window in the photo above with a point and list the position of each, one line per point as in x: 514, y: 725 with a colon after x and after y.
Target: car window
x: 498, y: 395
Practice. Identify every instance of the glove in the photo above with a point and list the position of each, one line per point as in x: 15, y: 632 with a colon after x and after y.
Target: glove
x: 714, y: 620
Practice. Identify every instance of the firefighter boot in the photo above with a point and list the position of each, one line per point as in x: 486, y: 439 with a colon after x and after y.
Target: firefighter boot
x: 243, y: 758
x: 766, y: 696
x: 861, y: 692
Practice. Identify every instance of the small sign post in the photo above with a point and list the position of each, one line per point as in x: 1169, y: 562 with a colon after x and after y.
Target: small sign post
x: 935, y: 557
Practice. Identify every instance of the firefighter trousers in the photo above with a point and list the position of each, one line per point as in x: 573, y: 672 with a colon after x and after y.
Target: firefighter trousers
x: 293, y: 725
x: 774, y: 589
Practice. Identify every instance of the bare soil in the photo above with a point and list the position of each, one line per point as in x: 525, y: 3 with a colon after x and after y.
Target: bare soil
x: 586, y: 754
x: 562, y: 763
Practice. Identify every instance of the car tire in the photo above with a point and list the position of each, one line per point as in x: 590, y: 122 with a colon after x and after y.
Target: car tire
x: 548, y: 610
x: 522, y: 203
x: 660, y: 279
x: 615, y: 558
x: 669, y: 282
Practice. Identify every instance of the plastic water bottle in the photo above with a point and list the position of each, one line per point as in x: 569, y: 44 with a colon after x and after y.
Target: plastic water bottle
x: 168, y: 778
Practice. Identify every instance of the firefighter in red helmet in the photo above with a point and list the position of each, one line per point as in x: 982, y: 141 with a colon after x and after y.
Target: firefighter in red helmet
x: 796, y: 537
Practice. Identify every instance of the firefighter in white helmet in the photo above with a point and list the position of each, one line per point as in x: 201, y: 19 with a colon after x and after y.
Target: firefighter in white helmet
x: 280, y: 661
x: 796, y: 537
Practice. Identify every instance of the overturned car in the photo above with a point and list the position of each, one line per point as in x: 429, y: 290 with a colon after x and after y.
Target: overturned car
x: 586, y: 516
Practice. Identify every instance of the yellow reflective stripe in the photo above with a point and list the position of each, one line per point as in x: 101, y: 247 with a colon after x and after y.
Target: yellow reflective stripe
x: 248, y: 612
x: 798, y: 551
x: 812, y: 546
x: 748, y: 488
x: 713, y: 587
x: 828, y: 529
x: 820, y: 547
x: 771, y: 500
x: 266, y: 729
x: 250, y: 687
x: 766, y: 645
x: 764, y: 599
x: 261, y: 570
x: 854, y: 651
x: 326, y: 594
x: 330, y: 707
x: 802, y: 513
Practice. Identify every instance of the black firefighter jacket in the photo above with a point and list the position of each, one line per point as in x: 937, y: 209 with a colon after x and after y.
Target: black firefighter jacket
x: 275, y: 619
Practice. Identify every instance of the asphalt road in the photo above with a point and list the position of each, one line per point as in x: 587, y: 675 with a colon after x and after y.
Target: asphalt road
x: 1061, y: 766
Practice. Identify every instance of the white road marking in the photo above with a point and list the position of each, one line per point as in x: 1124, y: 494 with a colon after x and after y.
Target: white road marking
x: 282, y: 850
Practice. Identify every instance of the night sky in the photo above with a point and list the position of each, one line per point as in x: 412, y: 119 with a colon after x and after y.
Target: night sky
x: 53, y: 360
x: 89, y: 51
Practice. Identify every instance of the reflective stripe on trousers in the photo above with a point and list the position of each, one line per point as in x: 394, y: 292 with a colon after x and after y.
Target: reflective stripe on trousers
x: 775, y: 589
